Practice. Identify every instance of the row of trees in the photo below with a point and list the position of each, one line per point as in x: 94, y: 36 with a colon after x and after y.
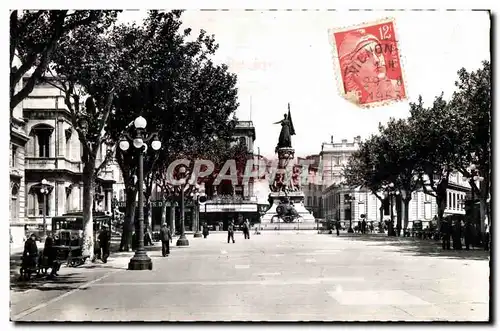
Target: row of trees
x: 436, y: 140
x: 110, y: 73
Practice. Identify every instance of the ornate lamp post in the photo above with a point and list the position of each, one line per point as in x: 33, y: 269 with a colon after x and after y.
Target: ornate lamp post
x: 391, y: 193
x: 140, y: 260
x: 349, y: 199
x: 44, y: 190
x: 182, y: 241
x: 196, y: 200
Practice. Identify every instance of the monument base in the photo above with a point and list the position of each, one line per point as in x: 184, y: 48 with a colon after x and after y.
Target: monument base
x: 271, y: 221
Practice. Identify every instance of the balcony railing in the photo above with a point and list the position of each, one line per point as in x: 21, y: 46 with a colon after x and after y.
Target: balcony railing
x: 49, y: 163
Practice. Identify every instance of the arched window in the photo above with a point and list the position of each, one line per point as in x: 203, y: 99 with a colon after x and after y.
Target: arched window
x: 14, y: 207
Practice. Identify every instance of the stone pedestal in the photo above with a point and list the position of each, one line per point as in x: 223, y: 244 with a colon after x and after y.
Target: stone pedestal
x: 305, y: 221
x: 284, y: 189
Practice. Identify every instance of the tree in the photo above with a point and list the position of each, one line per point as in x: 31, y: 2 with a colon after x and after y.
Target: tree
x: 190, y: 100
x: 364, y: 168
x: 400, y: 161
x: 436, y: 138
x: 34, y: 38
x: 471, y: 107
x: 95, y: 64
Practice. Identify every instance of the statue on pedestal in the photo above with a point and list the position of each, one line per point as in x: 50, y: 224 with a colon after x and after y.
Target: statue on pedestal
x: 287, y: 131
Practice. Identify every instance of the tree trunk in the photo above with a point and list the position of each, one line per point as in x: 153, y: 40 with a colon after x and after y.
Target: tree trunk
x: 398, y: 214
x: 128, y: 225
x: 164, y: 212
x: 88, y: 224
x: 441, y: 205
x: 406, y: 203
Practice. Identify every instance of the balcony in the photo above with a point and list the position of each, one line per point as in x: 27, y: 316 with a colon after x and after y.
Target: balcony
x: 52, y: 163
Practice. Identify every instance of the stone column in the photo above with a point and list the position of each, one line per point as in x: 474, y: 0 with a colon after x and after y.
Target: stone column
x: 107, y: 200
x: 80, y: 203
x: 60, y: 198
x: 61, y: 138
x: 35, y: 145
x: 51, y: 198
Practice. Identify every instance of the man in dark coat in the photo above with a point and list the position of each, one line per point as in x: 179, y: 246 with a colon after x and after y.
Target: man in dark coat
x: 30, y: 253
x: 446, y: 232
x: 230, y: 232
x: 51, y: 254
x: 165, y: 237
x: 205, y: 230
x: 104, y: 238
x: 457, y: 235
x: 337, y: 227
x: 469, y: 234
x: 363, y: 226
x: 246, y: 229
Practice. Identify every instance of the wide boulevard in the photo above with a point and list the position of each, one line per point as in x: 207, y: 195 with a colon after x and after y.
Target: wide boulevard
x: 285, y: 276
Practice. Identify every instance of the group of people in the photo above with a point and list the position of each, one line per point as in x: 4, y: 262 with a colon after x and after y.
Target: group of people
x: 32, y: 259
x: 454, y: 233
x: 231, y: 229
x: 48, y: 258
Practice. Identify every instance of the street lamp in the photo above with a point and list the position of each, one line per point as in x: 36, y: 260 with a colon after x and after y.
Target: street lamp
x: 44, y: 190
x: 349, y: 198
x: 196, y: 195
x: 391, y: 193
x: 140, y: 260
x: 182, y: 241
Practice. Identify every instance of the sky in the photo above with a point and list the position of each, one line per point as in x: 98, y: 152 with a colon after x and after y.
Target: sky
x: 283, y: 57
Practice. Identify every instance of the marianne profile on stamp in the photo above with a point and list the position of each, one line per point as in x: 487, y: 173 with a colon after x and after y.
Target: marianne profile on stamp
x: 370, y: 67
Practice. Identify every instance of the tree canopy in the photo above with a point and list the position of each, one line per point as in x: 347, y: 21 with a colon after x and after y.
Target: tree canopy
x: 34, y: 38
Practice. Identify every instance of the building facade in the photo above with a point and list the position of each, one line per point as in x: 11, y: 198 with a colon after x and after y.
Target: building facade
x: 52, y: 152
x: 325, y: 171
x: 242, y: 203
x: 17, y: 189
x: 324, y: 194
x: 422, y: 206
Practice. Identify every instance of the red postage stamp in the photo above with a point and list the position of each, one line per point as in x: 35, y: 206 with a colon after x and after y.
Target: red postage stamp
x: 368, y: 63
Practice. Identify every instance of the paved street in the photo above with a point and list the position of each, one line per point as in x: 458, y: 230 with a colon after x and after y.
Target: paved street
x: 273, y: 277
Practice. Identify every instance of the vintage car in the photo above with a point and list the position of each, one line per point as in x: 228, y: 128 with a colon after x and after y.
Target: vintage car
x: 68, y: 233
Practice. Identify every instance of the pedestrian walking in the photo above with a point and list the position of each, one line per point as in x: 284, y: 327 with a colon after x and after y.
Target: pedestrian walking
x: 246, y: 229
x: 445, y: 233
x: 468, y: 234
x: 166, y: 238
x: 30, y: 256
x: 50, y: 253
x: 104, y: 241
x: 337, y: 227
x: 230, y: 232
x: 363, y: 226
x: 205, y: 230
x: 457, y: 235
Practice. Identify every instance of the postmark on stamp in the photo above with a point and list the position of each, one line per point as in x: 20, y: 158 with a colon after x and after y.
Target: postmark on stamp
x: 368, y: 63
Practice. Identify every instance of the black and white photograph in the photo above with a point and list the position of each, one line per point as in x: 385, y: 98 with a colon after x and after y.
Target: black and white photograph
x: 249, y: 165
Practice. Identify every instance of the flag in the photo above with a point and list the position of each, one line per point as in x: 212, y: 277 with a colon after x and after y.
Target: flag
x: 292, y: 129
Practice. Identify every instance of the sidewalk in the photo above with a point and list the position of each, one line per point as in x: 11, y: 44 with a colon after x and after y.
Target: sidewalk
x: 417, y: 247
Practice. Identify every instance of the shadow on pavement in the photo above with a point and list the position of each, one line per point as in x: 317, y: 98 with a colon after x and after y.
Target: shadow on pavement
x: 60, y: 283
x: 420, y: 247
